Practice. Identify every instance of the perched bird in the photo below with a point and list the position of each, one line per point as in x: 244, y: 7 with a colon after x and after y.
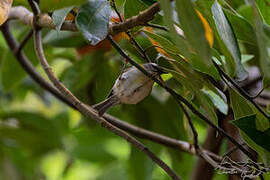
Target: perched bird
x: 131, y: 87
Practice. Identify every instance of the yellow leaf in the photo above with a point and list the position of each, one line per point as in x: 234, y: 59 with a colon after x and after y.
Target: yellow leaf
x: 208, y: 31
x: 5, y: 6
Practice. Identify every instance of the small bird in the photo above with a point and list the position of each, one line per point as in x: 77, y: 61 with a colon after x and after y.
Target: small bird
x: 131, y: 87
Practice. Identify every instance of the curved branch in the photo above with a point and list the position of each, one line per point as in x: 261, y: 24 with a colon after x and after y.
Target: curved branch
x: 84, y: 109
x: 27, y: 66
x: 141, y: 19
x: 45, y: 21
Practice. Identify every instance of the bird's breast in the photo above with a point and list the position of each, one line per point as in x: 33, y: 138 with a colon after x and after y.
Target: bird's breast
x: 136, y: 93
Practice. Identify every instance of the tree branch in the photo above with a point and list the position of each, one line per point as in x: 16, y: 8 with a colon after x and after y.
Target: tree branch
x: 139, y: 132
x: 86, y: 110
x: 133, y: 41
x: 178, y: 97
x: 240, y: 90
x: 45, y: 21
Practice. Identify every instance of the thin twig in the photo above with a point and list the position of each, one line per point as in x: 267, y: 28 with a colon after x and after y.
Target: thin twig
x: 139, y: 20
x: 128, y: 33
x: 25, y: 40
x: 86, y: 110
x: 198, y: 150
x: 157, y: 26
x: 178, y: 97
x: 45, y: 21
x: 230, y: 151
x: 152, y: 46
x: 193, y: 129
x: 239, y: 89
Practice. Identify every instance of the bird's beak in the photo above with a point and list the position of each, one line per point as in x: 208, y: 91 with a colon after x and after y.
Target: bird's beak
x: 161, y: 70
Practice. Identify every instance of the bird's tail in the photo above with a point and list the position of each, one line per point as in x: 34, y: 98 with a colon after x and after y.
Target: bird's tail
x: 103, y: 106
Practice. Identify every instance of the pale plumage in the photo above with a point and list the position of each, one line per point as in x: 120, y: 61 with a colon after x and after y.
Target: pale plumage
x: 130, y: 88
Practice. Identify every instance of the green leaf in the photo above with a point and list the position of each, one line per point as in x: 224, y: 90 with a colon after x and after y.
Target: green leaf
x: 264, y: 10
x: 113, y: 171
x: 90, y: 145
x: 263, y: 153
x: 248, y: 126
x: 93, y: 20
x: 179, y: 41
x: 242, y: 28
x: 246, y: 57
x: 246, y: 12
x: 133, y: 8
x: 165, y: 43
x: 263, y: 44
x: 226, y: 34
x: 140, y: 166
x: 218, y: 101
x: 194, y: 30
x: 198, y: 64
x: 12, y: 74
x: 195, y: 84
x: 29, y: 120
x: 64, y: 39
x: 59, y: 16
x: 50, y: 5
x: 33, y: 129
x: 10, y: 79
x: 79, y: 74
x: 240, y: 106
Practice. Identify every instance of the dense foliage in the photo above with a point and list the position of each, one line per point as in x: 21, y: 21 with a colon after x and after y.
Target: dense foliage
x: 44, y: 138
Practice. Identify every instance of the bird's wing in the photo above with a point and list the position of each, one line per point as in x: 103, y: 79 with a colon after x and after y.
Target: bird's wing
x: 122, y: 77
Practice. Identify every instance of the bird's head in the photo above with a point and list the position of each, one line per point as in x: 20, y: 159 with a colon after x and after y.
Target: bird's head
x: 153, y: 68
